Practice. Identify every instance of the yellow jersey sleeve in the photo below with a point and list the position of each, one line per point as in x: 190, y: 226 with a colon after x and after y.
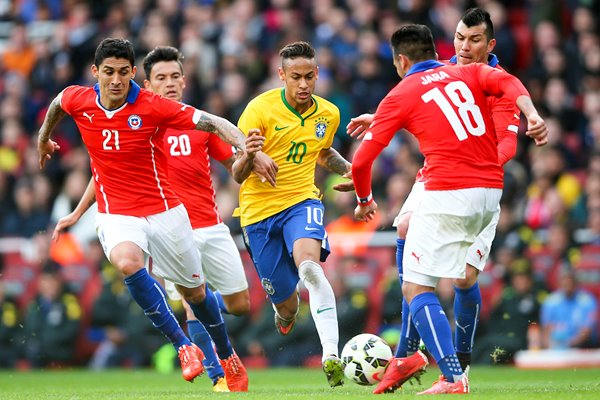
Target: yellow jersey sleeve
x: 294, y: 142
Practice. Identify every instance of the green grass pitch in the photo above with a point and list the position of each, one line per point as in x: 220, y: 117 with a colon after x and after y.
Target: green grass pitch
x: 286, y: 383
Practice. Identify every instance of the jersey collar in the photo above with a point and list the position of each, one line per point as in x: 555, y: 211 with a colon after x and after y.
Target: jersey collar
x: 423, y: 66
x: 296, y: 113
x: 492, y: 60
x: 134, y: 92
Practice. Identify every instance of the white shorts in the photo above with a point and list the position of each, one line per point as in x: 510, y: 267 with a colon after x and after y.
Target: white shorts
x: 167, y: 237
x: 441, y: 231
x: 412, y: 201
x: 479, y: 252
x: 220, y: 261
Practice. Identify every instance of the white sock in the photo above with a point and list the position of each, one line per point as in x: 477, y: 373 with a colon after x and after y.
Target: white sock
x: 322, y: 305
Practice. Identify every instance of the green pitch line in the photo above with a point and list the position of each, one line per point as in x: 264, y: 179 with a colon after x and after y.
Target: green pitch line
x: 286, y: 383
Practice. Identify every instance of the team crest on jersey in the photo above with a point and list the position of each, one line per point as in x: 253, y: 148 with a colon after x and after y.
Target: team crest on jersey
x: 321, y: 127
x: 268, y: 286
x: 134, y: 121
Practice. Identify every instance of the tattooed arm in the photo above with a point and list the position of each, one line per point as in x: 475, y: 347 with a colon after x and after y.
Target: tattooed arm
x: 47, y: 147
x: 332, y: 161
x: 227, y: 131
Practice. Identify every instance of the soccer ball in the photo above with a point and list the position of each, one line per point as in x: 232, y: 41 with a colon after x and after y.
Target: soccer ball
x: 365, y: 357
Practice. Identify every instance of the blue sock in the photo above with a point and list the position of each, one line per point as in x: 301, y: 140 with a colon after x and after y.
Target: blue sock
x: 409, y: 336
x: 434, y: 328
x: 399, y: 255
x: 211, y: 363
x: 221, y: 302
x: 467, y: 306
x: 209, y: 314
x: 149, y: 294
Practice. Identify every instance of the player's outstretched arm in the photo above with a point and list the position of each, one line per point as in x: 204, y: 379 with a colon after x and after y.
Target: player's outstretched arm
x: 536, y: 127
x: 332, y: 161
x: 47, y: 147
x: 88, y: 198
x: 242, y: 167
x: 357, y: 127
x: 227, y: 131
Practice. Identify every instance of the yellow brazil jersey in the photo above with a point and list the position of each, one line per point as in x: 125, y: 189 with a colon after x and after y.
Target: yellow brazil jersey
x: 293, y: 141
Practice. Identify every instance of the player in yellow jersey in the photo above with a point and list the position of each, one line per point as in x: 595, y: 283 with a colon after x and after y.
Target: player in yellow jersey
x: 283, y: 223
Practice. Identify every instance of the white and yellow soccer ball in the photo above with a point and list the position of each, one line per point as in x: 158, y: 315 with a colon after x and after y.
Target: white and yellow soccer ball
x: 365, y: 357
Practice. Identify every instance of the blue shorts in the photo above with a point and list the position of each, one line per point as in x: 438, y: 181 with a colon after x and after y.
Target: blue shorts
x: 270, y: 243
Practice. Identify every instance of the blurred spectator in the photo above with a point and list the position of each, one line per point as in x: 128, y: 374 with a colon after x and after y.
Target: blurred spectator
x: 19, y: 55
x: 551, y: 253
x: 27, y: 219
x: 506, y: 330
x: 569, y: 316
x: 52, y: 321
x: 10, y: 328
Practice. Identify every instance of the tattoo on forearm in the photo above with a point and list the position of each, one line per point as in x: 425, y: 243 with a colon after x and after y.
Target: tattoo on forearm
x: 53, y: 116
x: 334, y: 162
x: 223, y: 128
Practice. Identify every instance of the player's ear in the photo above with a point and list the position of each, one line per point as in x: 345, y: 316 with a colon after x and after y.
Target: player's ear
x: 94, y: 70
x: 146, y: 84
x: 490, y: 46
x: 281, y: 73
x: 316, y: 72
x: 437, y: 57
x: 133, y: 71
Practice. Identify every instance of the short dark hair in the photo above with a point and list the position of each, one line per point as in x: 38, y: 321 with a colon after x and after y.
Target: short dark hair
x: 118, y: 48
x: 477, y: 16
x: 159, y: 54
x: 414, y: 41
x: 297, y: 49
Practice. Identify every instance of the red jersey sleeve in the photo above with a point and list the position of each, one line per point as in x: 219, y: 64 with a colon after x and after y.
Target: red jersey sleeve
x: 505, y: 116
x: 69, y: 99
x: 389, y: 118
x: 497, y: 82
x: 218, y: 149
x: 362, y: 163
x: 173, y: 114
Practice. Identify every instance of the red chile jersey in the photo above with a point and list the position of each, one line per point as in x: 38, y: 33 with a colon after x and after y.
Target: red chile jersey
x: 188, y: 155
x: 127, y: 156
x: 445, y: 108
x: 505, y: 118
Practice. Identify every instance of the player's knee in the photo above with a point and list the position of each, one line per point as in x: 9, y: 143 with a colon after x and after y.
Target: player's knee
x: 469, y: 280
x: 310, y: 272
x: 128, y: 266
x: 237, y: 303
x: 193, y: 295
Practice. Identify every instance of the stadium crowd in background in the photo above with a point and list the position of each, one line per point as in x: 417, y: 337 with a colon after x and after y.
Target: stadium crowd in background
x: 551, y: 199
